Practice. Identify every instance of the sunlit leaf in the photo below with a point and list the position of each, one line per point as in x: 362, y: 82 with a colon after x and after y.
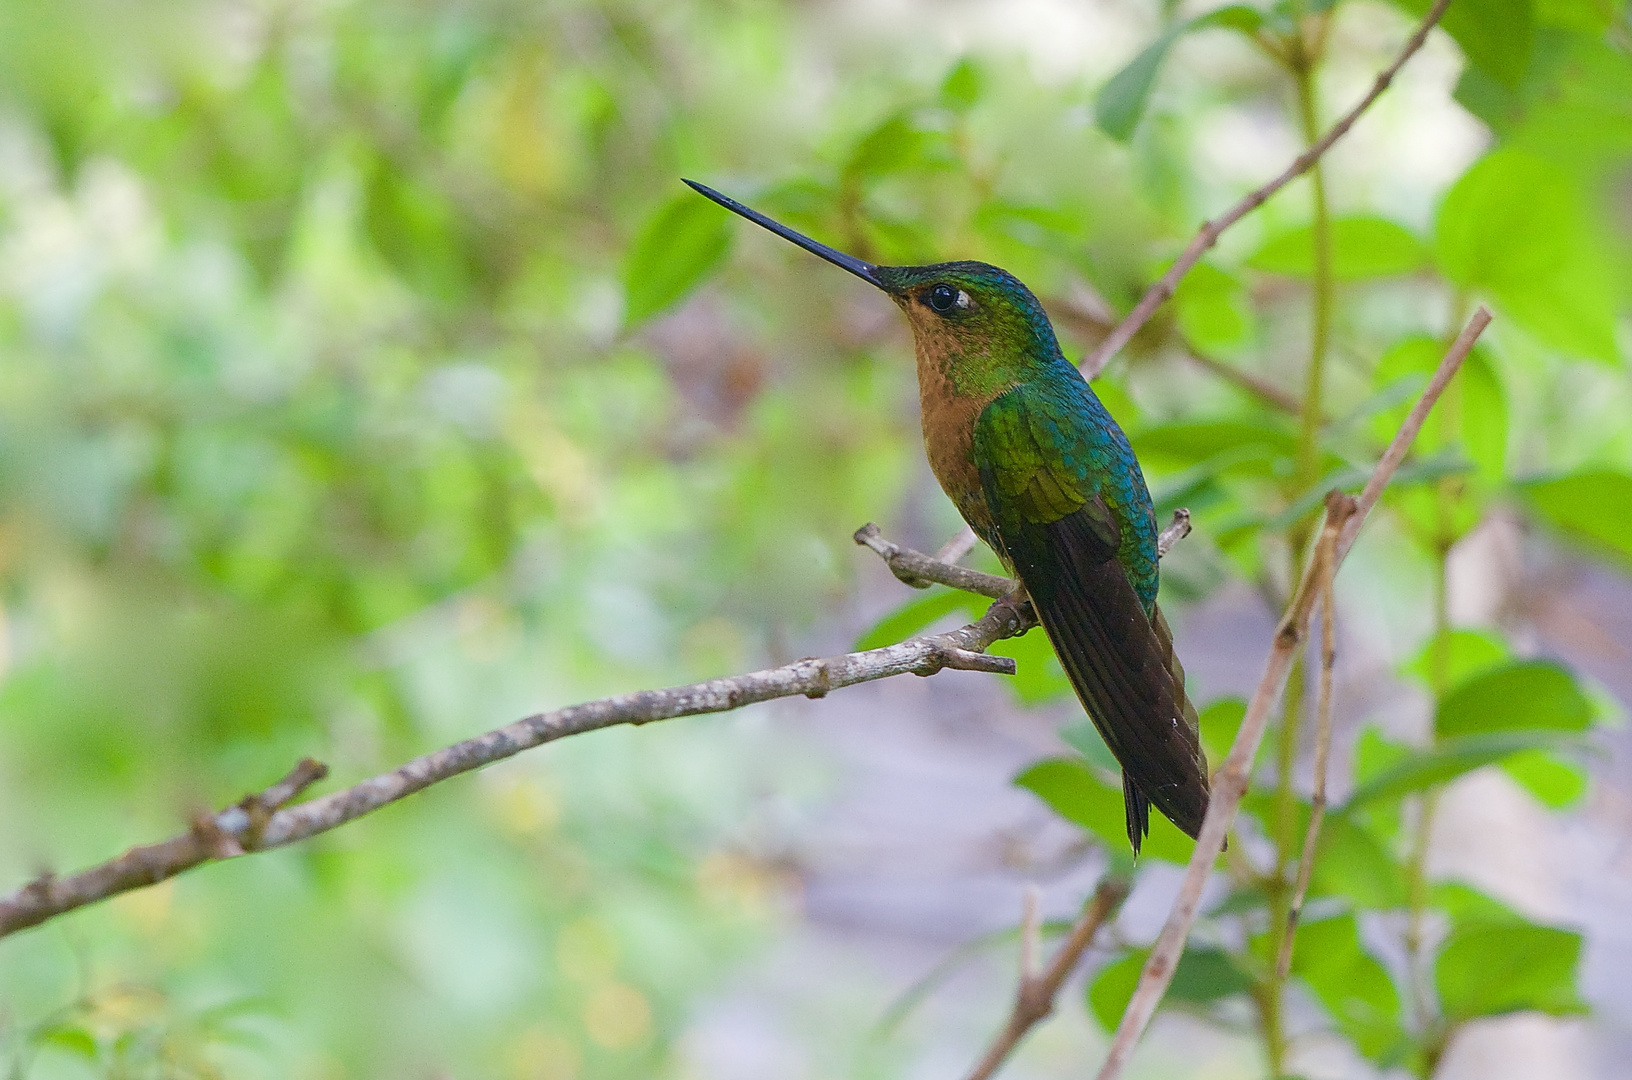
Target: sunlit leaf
x: 1072, y: 790
x: 1112, y: 987
x: 1472, y: 416
x: 902, y: 141
x: 1181, y: 445
x: 1593, y: 507
x: 1203, y: 975
x: 919, y: 614
x: 1212, y: 308
x: 1492, y: 968
x: 1528, y: 695
x: 681, y: 243
x: 1351, y: 863
x: 74, y: 1039
x: 1557, y: 782
x: 1514, y: 225
x: 1121, y: 101
x: 1466, y: 904
x: 1362, y: 247
x: 1466, y: 653
x: 1448, y: 760
x: 1496, y: 35
x: 1355, y: 989
x: 963, y: 85
x: 1220, y: 720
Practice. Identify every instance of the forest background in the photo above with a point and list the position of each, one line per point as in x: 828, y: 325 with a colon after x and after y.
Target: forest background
x: 368, y: 380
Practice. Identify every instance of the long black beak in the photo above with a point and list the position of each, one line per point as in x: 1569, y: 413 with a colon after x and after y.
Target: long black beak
x: 864, y: 270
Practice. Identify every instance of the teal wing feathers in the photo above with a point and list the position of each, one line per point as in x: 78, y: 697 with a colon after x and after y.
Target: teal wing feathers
x: 1051, y: 477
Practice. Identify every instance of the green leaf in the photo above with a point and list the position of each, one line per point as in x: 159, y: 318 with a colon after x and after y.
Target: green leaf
x: 1072, y: 790
x: 1354, y: 987
x: 1363, y: 247
x: 1528, y: 695
x: 1445, y: 762
x: 1212, y: 308
x: 901, y: 142
x: 1493, y: 968
x: 1121, y: 101
x: 1556, y: 782
x: 1112, y: 987
x: 75, y: 1040
x: 1593, y: 508
x: 681, y: 243
x: 1376, y: 754
x: 1467, y: 653
x: 1466, y: 904
x: 1496, y: 35
x: 963, y: 85
x: 1182, y: 445
x: 1038, y: 677
x: 1514, y: 226
x: 1086, y: 740
x: 1204, y: 975
x: 1351, y: 863
x: 920, y: 613
x: 1219, y: 722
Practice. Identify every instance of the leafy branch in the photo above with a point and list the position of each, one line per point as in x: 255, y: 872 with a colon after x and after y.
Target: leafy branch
x: 1210, y: 231
x: 1344, y: 516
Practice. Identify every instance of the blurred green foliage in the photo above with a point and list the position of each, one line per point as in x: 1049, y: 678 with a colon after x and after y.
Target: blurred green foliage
x: 367, y: 380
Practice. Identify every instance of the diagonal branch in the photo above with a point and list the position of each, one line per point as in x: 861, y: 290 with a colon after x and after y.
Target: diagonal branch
x: 1344, y: 515
x: 264, y: 821
x: 1210, y: 231
x: 1034, y: 999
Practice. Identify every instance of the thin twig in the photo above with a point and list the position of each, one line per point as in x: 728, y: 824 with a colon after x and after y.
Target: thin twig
x: 1343, y: 518
x: 1158, y: 293
x: 921, y: 571
x: 1176, y: 530
x: 1323, y: 750
x: 1262, y: 389
x: 1029, y: 931
x: 1035, y: 997
x: 956, y: 548
x: 914, y: 568
x: 1098, y: 326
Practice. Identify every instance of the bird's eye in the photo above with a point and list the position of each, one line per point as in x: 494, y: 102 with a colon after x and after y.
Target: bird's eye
x: 942, y: 298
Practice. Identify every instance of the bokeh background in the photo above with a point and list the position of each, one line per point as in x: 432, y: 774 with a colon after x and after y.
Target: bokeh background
x: 368, y: 380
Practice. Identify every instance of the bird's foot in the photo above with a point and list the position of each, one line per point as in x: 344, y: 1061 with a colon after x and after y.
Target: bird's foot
x: 1015, y: 610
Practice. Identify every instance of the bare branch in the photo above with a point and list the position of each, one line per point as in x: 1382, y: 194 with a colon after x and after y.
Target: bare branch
x: 956, y: 548
x: 921, y: 571
x: 1262, y: 389
x: 1344, y: 515
x: 1034, y: 999
x: 1158, y: 293
x: 260, y: 822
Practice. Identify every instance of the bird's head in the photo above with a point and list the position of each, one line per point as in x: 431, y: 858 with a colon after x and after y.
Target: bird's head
x: 977, y: 322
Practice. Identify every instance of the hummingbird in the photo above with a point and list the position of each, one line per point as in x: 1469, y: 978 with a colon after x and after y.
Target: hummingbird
x: 1041, y: 472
